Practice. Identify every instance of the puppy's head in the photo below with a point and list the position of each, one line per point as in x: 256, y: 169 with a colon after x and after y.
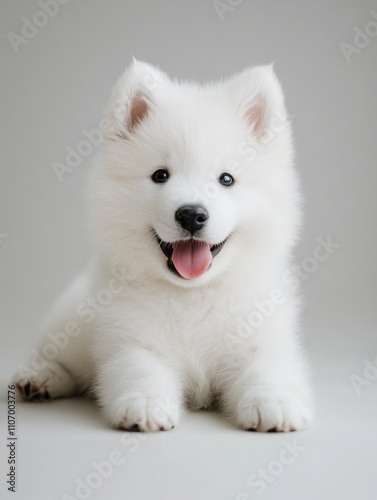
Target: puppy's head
x: 193, y: 180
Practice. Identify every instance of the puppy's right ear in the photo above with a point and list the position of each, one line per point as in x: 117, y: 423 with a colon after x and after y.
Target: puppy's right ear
x: 134, y: 97
x: 257, y: 97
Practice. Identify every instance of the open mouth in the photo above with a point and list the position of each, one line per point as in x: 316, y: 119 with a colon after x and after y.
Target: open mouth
x: 189, y: 258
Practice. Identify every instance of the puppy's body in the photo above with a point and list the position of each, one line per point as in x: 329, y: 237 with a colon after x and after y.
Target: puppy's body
x: 185, y: 309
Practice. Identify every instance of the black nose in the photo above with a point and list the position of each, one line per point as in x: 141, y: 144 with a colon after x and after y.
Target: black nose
x: 192, y: 217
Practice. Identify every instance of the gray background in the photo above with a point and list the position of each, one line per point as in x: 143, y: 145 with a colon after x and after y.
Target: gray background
x: 56, y: 86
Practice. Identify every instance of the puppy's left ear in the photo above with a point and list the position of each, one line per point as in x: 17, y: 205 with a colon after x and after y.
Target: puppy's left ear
x: 133, y: 97
x: 257, y: 97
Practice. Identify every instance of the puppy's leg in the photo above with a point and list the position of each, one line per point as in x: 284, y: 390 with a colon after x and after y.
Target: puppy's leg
x: 60, y: 365
x: 269, y: 392
x: 138, y: 392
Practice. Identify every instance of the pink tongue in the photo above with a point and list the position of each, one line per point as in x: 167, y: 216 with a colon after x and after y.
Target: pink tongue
x: 191, y: 258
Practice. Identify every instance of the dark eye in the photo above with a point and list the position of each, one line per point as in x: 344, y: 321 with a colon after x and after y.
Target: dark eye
x: 161, y: 175
x: 226, y: 179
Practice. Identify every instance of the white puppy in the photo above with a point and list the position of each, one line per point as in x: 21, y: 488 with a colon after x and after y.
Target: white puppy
x: 194, y: 208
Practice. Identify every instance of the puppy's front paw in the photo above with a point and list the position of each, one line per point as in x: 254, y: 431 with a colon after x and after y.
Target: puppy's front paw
x: 271, y: 410
x: 52, y: 381
x: 140, y: 412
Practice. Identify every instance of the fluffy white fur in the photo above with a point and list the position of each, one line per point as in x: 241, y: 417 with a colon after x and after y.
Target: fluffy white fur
x: 147, y: 342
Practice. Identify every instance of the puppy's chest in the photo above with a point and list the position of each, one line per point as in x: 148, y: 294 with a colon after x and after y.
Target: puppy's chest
x: 195, y: 321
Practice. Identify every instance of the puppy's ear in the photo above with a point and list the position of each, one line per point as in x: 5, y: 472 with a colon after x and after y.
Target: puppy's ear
x: 258, y: 98
x: 134, y: 97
